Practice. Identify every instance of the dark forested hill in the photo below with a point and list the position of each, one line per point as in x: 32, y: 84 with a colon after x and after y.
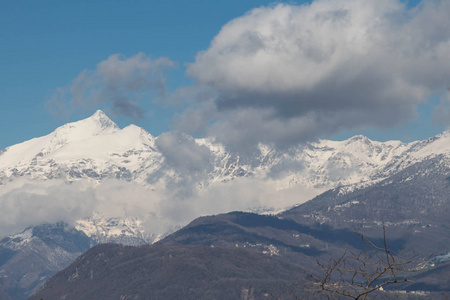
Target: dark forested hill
x: 166, y: 271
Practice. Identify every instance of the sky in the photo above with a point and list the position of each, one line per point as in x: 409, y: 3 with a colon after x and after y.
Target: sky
x: 244, y: 72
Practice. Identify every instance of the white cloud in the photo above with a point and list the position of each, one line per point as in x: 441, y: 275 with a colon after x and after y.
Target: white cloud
x: 316, y: 69
x: 183, y: 153
x: 119, y: 82
x: 25, y: 202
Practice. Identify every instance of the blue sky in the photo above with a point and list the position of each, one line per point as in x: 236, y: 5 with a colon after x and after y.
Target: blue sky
x: 46, y: 44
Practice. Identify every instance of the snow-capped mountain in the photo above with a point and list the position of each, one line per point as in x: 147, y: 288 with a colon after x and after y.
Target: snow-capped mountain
x: 96, y: 150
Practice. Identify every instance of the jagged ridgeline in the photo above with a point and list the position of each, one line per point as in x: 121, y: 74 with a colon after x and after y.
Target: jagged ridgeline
x: 97, y: 149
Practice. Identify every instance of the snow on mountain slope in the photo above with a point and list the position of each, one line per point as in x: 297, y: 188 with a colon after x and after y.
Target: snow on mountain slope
x: 437, y: 145
x: 24, y: 153
x: 127, y: 231
x: 356, y: 160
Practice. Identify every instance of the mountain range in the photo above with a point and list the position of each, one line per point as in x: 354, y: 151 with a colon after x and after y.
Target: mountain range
x: 353, y: 182
x: 97, y: 149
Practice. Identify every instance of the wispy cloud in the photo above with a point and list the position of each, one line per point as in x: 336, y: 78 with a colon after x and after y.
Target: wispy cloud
x: 285, y: 74
x: 120, y: 83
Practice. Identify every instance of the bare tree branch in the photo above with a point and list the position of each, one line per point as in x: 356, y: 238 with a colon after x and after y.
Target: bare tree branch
x: 356, y: 275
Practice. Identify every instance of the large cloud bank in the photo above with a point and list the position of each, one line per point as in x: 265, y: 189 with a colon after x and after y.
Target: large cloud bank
x: 26, y: 202
x: 285, y: 74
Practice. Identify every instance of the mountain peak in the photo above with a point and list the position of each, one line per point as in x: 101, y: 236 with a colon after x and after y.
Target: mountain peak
x: 359, y: 137
x: 101, y: 118
x: 97, y: 124
x: 99, y: 114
